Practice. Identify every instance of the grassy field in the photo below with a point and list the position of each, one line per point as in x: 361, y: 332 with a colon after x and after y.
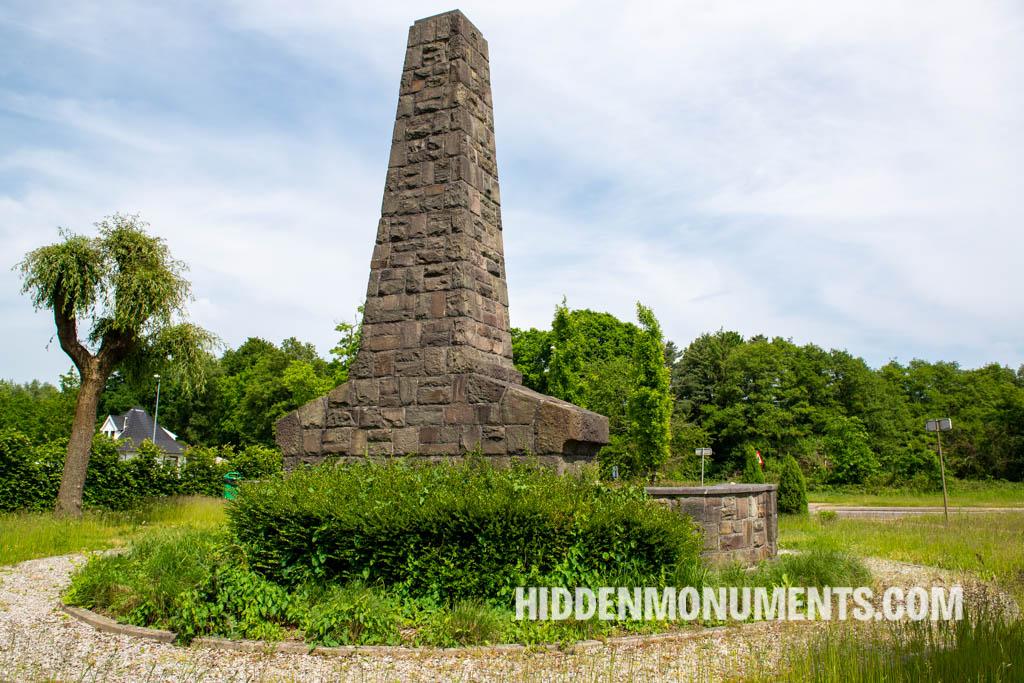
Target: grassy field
x: 26, y: 536
x: 987, y: 545
x: 961, y: 493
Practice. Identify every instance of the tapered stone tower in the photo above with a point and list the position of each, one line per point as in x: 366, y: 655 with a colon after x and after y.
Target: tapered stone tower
x: 434, y: 374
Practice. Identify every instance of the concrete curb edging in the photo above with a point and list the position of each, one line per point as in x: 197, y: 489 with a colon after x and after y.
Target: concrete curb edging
x: 107, y: 625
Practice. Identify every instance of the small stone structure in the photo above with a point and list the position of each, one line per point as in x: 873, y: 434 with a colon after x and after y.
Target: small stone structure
x: 740, y: 522
x: 434, y: 374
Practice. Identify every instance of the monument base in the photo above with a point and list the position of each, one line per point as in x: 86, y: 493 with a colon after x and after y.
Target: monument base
x: 436, y: 418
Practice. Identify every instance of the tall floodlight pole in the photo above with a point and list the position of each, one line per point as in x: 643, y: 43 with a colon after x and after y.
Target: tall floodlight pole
x: 702, y: 452
x: 938, y: 426
x: 156, y: 411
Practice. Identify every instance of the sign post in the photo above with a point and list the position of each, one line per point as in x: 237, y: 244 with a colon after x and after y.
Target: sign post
x: 702, y: 452
x: 156, y: 411
x: 938, y: 426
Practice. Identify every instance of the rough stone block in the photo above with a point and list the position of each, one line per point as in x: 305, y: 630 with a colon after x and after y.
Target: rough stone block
x: 311, y: 443
x: 312, y: 415
x: 337, y: 440
x: 339, y: 396
x: 519, y: 439
x: 342, y: 417
x: 407, y: 440
x: 518, y: 406
x: 289, y: 435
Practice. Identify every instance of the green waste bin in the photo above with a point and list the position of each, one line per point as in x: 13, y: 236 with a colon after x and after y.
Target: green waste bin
x: 231, y: 480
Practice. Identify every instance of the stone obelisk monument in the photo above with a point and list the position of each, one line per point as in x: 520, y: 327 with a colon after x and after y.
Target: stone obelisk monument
x: 434, y: 374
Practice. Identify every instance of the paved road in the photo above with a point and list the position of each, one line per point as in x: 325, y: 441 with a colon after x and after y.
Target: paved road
x: 888, y: 512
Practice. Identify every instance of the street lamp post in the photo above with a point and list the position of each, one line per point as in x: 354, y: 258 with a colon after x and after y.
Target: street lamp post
x: 702, y: 452
x: 156, y: 411
x: 938, y: 426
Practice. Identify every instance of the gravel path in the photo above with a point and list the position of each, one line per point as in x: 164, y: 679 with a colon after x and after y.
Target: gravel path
x: 39, y: 642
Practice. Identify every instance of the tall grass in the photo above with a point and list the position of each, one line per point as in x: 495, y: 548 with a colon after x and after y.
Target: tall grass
x: 29, y: 535
x: 984, y: 646
x: 987, y: 545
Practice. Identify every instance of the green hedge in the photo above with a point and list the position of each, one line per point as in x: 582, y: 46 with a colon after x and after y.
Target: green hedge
x: 30, y: 473
x: 456, y: 531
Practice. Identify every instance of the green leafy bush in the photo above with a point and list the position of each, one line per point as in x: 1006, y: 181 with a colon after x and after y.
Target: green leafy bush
x: 351, y: 615
x: 254, y: 461
x: 792, y: 487
x: 455, y: 531
x: 189, y: 581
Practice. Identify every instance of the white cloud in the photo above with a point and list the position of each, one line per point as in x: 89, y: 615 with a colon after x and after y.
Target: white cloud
x: 845, y: 173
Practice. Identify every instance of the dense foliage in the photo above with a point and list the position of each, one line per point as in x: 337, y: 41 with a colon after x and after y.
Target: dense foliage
x: 844, y: 422
x: 249, y: 388
x: 612, y: 367
x: 30, y: 473
x: 455, y: 531
x: 365, y: 575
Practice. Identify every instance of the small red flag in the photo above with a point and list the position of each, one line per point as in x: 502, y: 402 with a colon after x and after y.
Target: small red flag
x: 759, y: 458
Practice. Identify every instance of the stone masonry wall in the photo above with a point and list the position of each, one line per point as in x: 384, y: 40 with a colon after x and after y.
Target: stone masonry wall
x: 740, y: 522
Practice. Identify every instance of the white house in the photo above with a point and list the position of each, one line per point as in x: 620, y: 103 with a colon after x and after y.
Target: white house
x: 136, y: 426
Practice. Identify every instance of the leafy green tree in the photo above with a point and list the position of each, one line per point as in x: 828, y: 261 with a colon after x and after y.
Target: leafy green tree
x: 699, y: 374
x: 40, y: 411
x: 612, y: 367
x: 687, y: 436
x: 127, y: 288
x: 650, y: 403
x: 262, y: 382
x: 347, y: 348
x: 846, y: 444
x: 582, y: 343
x: 792, y: 493
x: 531, y: 350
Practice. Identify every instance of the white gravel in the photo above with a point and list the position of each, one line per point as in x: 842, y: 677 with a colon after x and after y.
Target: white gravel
x: 39, y: 642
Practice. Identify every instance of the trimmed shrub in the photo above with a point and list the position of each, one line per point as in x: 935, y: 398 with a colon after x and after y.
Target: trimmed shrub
x: 752, y: 472
x: 202, y: 474
x: 117, y: 484
x: 456, y: 531
x: 792, y: 487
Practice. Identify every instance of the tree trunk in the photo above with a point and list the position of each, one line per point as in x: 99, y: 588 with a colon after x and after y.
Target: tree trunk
x: 72, y: 482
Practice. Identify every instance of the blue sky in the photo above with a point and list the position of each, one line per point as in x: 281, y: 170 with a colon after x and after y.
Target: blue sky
x: 843, y: 173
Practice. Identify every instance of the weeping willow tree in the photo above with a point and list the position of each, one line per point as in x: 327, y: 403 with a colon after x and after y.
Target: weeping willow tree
x: 126, y: 290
